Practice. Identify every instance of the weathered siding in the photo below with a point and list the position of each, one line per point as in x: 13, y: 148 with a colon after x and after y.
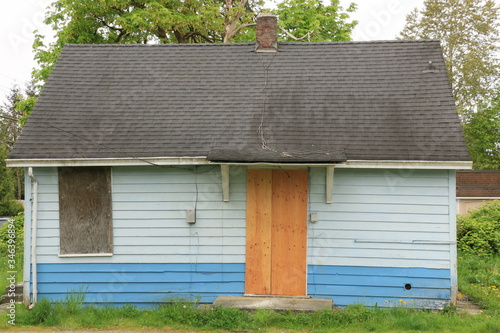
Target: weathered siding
x: 149, y: 216
x: 142, y: 284
x: 384, y: 230
x: 381, y: 286
x: 381, y: 218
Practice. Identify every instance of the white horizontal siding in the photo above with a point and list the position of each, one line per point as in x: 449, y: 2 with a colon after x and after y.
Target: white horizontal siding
x: 149, y: 216
x: 381, y: 218
x: 378, y: 218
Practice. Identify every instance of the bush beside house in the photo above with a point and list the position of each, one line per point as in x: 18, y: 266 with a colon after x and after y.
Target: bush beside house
x: 478, y: 232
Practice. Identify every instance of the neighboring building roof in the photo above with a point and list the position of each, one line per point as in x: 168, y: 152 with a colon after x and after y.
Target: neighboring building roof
x: 309, y: 102
x: 478, y: 183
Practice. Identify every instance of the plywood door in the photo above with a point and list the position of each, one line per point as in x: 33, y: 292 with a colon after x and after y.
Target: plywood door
x: 258, y: 250
x: 276, y: 232
x: 289, y: 232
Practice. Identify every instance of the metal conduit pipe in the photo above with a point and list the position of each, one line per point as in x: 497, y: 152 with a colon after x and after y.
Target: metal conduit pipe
x: 33, y: 234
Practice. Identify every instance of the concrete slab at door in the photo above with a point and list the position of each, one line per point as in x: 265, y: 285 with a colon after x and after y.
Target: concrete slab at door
x: 276, y: 232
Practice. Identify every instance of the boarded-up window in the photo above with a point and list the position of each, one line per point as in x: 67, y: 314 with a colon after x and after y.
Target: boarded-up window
x: 85, y: 212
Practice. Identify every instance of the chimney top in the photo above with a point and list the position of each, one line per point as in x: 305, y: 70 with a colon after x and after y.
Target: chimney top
x: 267, y: 33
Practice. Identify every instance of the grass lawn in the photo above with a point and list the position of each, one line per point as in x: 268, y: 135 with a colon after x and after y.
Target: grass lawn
x: 11, y: 253
x: 478, y: 278
x: 182, y: 316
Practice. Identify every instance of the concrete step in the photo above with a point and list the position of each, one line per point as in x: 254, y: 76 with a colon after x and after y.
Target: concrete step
x: 18, y: 294
x: 295, y: 303
x: 18, y: 287
x: 17, y: 297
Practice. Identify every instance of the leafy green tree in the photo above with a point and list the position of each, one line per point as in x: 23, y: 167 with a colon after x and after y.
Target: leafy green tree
x: 141, y: 22
x: 9, y: 126
x: 469, y: 33
x: 482, y: 134
x: 13, y: 114
x: 26, y: 103
x: 8, y: 205
x: 314, y: 21
x: 167, y: 21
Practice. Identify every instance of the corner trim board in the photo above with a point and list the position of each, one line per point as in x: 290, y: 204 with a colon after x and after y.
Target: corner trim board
x: 330, y: 170
x: 224, y: 168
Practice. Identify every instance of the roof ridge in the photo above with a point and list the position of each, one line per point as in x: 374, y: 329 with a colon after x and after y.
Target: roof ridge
x: 396, y: 41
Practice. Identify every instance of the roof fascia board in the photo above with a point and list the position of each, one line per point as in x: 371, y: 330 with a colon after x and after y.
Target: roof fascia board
x: 107, y: 162
x: 359, y: 164
x: 445, y: 165
x: 362, y: 164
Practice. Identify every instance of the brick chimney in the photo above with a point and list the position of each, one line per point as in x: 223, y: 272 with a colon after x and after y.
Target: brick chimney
x: 267, y: 33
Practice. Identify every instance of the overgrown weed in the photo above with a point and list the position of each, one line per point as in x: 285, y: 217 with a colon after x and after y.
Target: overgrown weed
x: 479, y: 279
x: 180, y: 315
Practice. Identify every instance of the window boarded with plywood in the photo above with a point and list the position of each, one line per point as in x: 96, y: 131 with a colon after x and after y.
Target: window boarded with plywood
x: 85, y: 210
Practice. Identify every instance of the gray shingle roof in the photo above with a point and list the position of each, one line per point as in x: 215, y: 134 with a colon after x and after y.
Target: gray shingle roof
x: 309, y: 102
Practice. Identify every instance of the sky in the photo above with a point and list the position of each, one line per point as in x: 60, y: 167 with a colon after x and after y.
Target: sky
x: 378, y: 20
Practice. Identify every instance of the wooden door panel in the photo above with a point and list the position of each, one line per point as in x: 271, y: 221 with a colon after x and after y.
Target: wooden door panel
x: 276, y: 232
x: 289, y: 232
x: 258, y: 248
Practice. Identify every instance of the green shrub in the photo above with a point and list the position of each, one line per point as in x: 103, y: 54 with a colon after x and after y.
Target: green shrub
x: 6, y: 238
x: 478, y: 232
x: 479, y: 279
x: 8, y: 205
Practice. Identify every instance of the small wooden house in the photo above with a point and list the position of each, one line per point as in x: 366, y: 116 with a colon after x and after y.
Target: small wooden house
x: 327, y: 170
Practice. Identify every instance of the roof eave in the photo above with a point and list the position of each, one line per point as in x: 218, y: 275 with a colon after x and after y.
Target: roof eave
x: 163, y: 161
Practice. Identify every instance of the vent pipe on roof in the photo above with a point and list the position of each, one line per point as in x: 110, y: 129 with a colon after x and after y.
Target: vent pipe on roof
x: 267, y: 33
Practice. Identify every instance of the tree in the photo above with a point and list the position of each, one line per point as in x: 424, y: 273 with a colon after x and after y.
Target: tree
x: 9, y: 131
x: 8, y: 205
x: 27, y: 102
x: 13, y: 115
x: 15, y: 111
x: 9, y: 123
x: 141, y: 22
x: 482, y: 134
x: 167, y: 21
x: 313, y: 21
x: 469, y: 34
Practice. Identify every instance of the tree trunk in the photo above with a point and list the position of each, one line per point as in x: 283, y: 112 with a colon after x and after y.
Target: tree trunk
x: 19, y: 184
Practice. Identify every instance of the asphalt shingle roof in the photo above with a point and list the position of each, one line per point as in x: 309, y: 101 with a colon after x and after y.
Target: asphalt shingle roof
x: 317, y: 102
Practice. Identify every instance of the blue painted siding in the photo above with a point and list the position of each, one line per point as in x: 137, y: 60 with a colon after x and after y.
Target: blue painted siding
x: 385, y: 287
x: 148, y: 284
x: 141, y: 284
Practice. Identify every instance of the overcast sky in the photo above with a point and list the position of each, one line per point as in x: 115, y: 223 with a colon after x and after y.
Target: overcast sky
x: 378, y: 20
